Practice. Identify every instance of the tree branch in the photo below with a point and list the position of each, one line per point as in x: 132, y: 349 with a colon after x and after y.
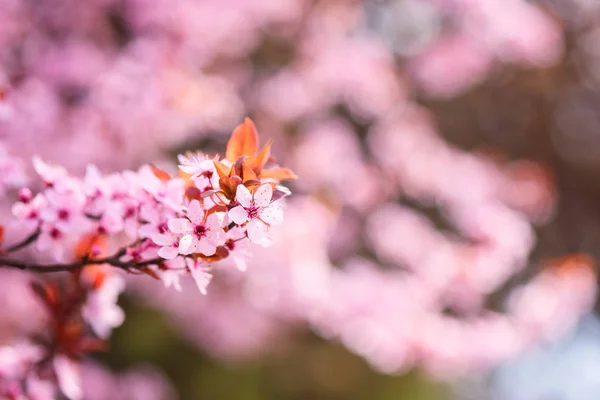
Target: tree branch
x: 26, y: 242
x: 114, y: 260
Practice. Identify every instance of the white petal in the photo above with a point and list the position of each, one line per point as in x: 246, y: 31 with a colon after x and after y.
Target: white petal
x: 206, y: 247
x: 179, y: 225
x: 263, y: 195
x: 201, y: 277
x: 186, y: 244
x: 214, y: 221
x: 215, y: 235
x: 243, y: 196
x: 68, y: 375
x: 189, y: 169
x: 273, y: 214
x: 162, y: 239
x: 257, y: 232
x: 240, y: 261
x: 168, y: 252
x: 195, y: 212
x: 238, y: 215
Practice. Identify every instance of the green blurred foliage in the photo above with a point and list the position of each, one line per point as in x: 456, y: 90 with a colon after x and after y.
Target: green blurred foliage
x: 309, y: 369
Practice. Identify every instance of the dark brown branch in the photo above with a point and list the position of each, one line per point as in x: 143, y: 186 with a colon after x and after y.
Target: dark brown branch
x: 114, y: 260
x: 26, y: 242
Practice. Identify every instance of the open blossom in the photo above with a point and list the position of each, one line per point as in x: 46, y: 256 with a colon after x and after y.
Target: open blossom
x: 201, y: 233
x: 100, y: 309
x: 237, y: 246
x: 200, y: 273
x: 258, y: 210
x: 169, y: 243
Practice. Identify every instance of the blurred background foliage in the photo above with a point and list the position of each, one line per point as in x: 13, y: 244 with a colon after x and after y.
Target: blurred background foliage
x: 309, y: 368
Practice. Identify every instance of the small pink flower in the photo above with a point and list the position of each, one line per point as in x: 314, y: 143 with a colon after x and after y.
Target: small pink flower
x: 68, y: 375
x: 64, y: 210
x: 49, y: 173
x: 54, y: 240
x: 170, y: 276
x: 197, y: 165
x: 236, y: 243
x: 29, y: 210
x: 154, y: 220
x: 101, y: 310
x: 201, y: 275
x: 169, y: 243
x: 258, y: 211
x: 200, y: 235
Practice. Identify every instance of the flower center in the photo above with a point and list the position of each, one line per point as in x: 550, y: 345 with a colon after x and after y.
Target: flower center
x: 130, y: 212
x: 200, y: 230
x: 63, y: 214
x: 55, y: 233
x: 252, y: 212
x: 162, y: 228
x: 230, y: 244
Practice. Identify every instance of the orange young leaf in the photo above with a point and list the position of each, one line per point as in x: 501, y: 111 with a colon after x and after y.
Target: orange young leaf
x: 160, y: 174
x: 280, y: 174
x: 88, y: 243
x: 222, y: 169
x: 262, y: 158
x: 243, y: 141
x: 243, y: 170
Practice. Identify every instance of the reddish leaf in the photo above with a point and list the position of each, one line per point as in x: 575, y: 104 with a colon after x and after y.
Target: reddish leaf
x: 262, y: 158
x: 222, y: 169
x: 46, y: 293
x: 247, y: 174
x: 193, y: 193
x: 280, y: 174
x: 91, y: 345
x: 88, y: 246
x: 243, y: 141
x: 160, y: 174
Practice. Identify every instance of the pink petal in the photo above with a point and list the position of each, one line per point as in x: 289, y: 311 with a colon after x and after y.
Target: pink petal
x: 214, y: 221
x: 263, y: 196
x: 206, y: 247
x: 239, y: 260
x: 68, y: 377
x: 195, y: 212
x: 215, y: 235
x: 162, y: 239
x: 243, y: 196
x: 201, y: 277
x: 168, y: 253
x: 179, y: 225
x: 238, y: 215
x: 257, y: 232
x: 273, y: 214
x: 186, y: 244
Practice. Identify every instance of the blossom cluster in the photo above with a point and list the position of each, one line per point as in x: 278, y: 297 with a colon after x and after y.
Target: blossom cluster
x: 141, y: 222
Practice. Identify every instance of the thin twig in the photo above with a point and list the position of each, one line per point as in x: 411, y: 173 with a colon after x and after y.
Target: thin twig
x: 114, y: 260
x: 26, y: 242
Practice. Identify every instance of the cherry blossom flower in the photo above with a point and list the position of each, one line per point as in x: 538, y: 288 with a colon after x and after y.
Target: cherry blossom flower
x: 237, y: 247
x: 201, y: 233
x: 258, y: 211
x: 169, y: 243
x: 201, y: 275
x: 100, y: 309
x: 49, y: 173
